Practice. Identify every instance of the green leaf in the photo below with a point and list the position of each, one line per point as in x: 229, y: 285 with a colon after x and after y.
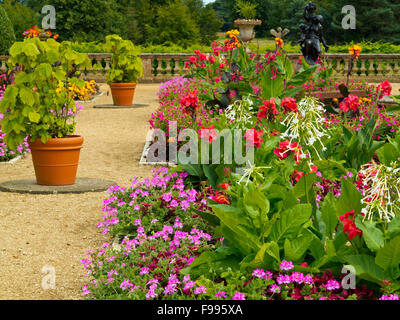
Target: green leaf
x: 328, y: 215
x: 372, y: 235
x: 366, y: 268
x: 304, y: 185
x: 296, y: 248
x: 394, y: 227
x: 302, y: 77
x: 26, y: 96
x: 211, y: 175
x: 389, y: 256
x: 291, y: 222
x: 388, y: 153
x: 350, y: 199
x: 34, y: 117
x: 257, y: 206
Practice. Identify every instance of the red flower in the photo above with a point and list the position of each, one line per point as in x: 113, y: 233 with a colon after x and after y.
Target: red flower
x: 268, y: 109
x: 208, y: 133
x: 349, y: 225
x: 386, y: 89
x: 350, y: 103
x: 190, y: 102
x: 297, y: 175
x: 285, y: 148
x: 313, y: 169
x: 224, y: 186
x: 221, y: 199
x: 253, y: 137
x: 289, y: 105
x: 275, y: 133
x: 304, y: 264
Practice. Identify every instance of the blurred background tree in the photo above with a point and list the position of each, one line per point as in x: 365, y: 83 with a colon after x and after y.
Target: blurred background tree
x: 7, y: 36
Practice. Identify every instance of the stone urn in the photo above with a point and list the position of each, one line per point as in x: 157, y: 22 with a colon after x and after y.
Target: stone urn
x: 246, y: 28
x: 44, y: 36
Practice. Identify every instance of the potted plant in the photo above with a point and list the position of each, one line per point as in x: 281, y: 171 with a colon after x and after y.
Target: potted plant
x: 246, y: 25
x: 126, y: 68
x: 39, y: 105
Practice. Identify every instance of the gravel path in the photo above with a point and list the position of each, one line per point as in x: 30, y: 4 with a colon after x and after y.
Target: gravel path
x: 38, y: 231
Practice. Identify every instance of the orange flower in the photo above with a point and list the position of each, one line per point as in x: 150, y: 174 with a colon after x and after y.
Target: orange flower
x: 355, y: 51
x: 279, y: 42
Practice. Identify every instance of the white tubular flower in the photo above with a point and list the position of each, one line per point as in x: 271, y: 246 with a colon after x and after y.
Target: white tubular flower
x: 382, y: 195
x: 307, y: 125
x: 240, y: 113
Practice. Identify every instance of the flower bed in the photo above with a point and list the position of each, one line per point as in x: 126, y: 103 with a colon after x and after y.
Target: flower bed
x: 314, y: 214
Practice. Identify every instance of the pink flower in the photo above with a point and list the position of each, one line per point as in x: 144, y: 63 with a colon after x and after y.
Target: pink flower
x: 221, y: 294
x: 332, y: 285
x: 200, y: 290
x: 238, y: 296
x: 286, y: 265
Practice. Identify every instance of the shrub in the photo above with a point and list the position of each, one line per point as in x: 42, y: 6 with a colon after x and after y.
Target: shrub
x: 7, y: 36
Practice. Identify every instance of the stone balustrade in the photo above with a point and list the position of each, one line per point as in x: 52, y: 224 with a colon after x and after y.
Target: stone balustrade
x: 159, y: 67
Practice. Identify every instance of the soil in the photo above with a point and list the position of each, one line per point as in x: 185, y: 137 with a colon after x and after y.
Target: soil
x: 56, y: 230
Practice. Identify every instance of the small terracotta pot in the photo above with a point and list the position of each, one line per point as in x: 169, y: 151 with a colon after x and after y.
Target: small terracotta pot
x: 56, y: 162
x: 123, y: 93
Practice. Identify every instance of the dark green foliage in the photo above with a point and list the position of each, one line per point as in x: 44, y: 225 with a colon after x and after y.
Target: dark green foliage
x: 7, y: 36
x: 376, y: 20
x: 21, y: 16
x: 84, y: 20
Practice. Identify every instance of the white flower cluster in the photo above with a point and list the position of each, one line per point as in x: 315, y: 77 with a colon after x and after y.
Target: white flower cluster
x: 240, y: 113
x: 382, y: 197
x: 307, y: 125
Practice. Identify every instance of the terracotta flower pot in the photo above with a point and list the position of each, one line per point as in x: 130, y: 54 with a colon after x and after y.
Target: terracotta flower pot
x: 123, y: 93
x: 56, y: 162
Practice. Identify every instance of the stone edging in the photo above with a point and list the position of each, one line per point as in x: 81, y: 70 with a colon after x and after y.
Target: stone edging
x: 143, y: 158
x: 12, y: 161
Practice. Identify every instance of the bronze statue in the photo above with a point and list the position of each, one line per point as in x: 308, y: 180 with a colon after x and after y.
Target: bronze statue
x: 312, y: 35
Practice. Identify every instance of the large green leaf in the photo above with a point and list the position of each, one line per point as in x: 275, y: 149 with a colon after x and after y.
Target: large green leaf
x: 304, y: 185
x: 389, y: 256
x: 328, y: 215
x: 257, y: 206
x: 296, y: 248
x: 366, y: 268
x: 271, y: 87
x: 291, y: 222
x: 302, y: 77
x: 235, y: 224
x: 372, y: 235
x: 388, y: 153
x: 350, y: 199
x: 394, y: 227
x: 211, y: 175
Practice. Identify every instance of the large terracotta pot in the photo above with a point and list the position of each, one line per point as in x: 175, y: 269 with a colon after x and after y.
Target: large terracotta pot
x: 246, y: 28
x: 123, y: 93
x: 56, y: 162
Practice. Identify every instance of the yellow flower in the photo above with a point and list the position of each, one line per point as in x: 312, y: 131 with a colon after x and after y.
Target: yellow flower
x: 279, y: 42
x: 233, y: 33
x: 355, y: 51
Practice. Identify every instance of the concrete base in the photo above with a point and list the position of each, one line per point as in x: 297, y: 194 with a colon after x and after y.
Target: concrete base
x: 111, y: 106
x: 82, y: 185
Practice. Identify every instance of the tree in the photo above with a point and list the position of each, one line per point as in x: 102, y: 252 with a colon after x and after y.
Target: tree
x: 22, y: 16
x: 175, y: 24
x: 7, y: 36
x: 84, y: 20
